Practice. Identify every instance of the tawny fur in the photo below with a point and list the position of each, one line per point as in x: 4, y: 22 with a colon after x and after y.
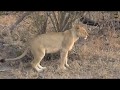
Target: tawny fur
x: 53, y: 42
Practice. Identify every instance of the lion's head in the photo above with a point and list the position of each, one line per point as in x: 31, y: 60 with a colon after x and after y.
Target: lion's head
x: 81, y: 31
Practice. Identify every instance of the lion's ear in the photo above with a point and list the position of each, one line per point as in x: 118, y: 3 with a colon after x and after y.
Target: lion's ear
x: 75, y: 25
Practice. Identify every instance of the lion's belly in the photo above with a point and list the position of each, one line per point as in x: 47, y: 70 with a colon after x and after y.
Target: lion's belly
x: 52, y: 49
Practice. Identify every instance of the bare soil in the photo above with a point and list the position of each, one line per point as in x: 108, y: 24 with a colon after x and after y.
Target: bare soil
x: 97, y: 57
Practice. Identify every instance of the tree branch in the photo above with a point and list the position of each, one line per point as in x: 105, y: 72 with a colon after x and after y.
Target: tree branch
x: 18, y: 21
x: 65, y: 21
x: 56, y: 21
x: 52, y: 22
x: 43, y: 29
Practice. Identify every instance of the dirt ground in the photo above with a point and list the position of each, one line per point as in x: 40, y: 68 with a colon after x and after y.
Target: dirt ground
x: 98, y: 57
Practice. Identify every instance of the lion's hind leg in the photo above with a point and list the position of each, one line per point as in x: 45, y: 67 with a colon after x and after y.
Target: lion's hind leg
x: 38, y: 56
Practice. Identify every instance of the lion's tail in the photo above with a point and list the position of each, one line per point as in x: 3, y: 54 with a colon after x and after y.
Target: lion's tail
x: 19, y: 57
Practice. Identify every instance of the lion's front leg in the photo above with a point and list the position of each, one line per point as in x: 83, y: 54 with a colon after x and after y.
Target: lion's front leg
x: 64, y: 55
x: 66, y: 64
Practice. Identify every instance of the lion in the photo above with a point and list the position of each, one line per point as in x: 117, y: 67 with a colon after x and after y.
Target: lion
x: 51, y: 43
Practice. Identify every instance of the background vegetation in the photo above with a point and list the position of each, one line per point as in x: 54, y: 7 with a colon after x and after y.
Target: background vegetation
x: 96, y: 57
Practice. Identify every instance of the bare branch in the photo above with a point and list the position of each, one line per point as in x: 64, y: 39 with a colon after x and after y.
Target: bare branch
x: 64, y: 23
x: 18, y: 21
x: 69, y: 21
x: 43, y: 28
x: 56, y: 21
x: 62, y: 17
x: 52, y: 21
x: 59, y: 16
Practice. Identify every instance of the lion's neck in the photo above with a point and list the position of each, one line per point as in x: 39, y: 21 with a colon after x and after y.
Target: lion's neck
x: 74, y: 34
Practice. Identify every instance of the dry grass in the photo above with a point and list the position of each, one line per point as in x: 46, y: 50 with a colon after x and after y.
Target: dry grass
x: 97, y: 57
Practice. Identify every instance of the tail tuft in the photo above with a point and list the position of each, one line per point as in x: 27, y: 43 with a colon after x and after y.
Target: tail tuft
x: 2, y: 60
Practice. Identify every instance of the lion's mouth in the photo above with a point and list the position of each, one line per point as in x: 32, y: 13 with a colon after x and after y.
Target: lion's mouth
x: 86, y: 37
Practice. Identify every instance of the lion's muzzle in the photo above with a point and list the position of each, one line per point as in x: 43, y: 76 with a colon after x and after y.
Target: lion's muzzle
x: 86, y: 37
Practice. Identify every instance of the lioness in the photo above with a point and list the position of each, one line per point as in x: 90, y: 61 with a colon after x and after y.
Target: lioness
x: 52, y: 42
